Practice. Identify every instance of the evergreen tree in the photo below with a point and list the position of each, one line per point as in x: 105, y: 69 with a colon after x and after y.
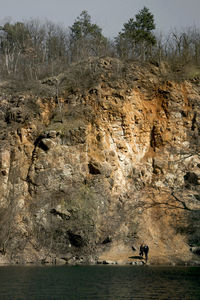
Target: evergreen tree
x: 86, y: 38
x: 144, y: 25
x: 137, y: 38
x: 83, y: 28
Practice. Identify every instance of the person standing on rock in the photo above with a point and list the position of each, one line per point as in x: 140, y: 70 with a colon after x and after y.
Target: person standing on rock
x: 146, y: 251
x: 141, y: 249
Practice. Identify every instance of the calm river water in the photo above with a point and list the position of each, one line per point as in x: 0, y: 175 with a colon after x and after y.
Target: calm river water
x: 99, y: 282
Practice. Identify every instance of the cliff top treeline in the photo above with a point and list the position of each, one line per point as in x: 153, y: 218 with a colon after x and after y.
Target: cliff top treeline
x: 34, y: 50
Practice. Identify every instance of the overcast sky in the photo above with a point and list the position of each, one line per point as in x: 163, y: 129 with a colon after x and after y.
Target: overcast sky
x: 110, y: 15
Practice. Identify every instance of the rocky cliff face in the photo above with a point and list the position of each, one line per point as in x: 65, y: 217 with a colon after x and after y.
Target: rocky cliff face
x: 101, y: 167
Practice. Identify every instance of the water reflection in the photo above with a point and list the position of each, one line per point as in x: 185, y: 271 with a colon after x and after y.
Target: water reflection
x: 99, y: 282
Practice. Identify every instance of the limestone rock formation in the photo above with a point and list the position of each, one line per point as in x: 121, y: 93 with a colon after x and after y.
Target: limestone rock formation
x: 111, y: 162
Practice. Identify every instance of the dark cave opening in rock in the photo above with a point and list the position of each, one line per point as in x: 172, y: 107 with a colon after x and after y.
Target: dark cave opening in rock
x: 93, y: 169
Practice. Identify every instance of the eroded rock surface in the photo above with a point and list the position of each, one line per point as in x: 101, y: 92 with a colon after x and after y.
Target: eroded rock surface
x: 89, y: 175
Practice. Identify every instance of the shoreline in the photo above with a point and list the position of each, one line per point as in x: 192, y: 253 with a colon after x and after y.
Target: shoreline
x: 116, y: 264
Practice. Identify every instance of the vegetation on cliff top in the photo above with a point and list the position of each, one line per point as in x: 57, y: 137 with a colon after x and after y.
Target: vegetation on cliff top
x: 35, y: 50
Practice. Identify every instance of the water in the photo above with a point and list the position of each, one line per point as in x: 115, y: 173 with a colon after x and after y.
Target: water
x: 99, y: 282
